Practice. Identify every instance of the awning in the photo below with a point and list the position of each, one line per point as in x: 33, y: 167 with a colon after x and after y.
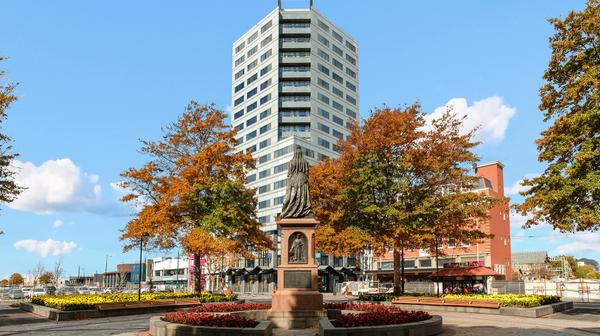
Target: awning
x: 253, y: 271
x: 345, y: 270
x: 462, y: 272
x: 326, y: 269
x: 268, y: 271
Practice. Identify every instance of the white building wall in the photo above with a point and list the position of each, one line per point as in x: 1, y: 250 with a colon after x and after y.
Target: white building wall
x: 283, y: 47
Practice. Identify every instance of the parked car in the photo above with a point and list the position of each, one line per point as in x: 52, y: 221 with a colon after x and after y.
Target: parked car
x: 26, y: 291
x: 66, y: 290
x: 38, y: 292
x: 4, y: 291
x: 16, y: 294
x: 94, y: 290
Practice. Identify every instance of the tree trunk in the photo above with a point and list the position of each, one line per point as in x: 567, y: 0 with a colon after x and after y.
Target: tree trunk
x: 402, y: 265
x: 397, y: 269
x: 197, y: 274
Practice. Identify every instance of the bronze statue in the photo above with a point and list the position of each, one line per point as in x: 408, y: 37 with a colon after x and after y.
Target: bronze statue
x: 297, y: 250
x: 296, y: 203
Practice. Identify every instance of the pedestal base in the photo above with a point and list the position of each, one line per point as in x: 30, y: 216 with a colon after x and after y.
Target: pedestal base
x: 295, y: 300
x: 296, y: 319
x: 294, y: 309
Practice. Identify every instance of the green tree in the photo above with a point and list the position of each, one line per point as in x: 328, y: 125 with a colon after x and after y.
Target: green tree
x: 9, y: 190
x: 15, y: 279
x: 567, y: 194
x: 192, y: 190
x: 402, y: 182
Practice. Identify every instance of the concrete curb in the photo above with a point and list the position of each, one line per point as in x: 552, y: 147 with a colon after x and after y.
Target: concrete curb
x: 158, y: 327
x: 533, y: 312
x: 60, y: 315
x: 432, y: 326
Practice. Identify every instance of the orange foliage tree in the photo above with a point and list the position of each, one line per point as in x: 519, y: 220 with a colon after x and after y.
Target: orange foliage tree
x: 192, y: 190
x: 399, y: 181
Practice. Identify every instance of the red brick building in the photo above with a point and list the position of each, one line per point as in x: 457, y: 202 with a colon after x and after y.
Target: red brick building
x: 459, y: 262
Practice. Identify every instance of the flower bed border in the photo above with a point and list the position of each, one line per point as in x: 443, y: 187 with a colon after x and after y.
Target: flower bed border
x: 70, y: 315
x: 534, y: 312
x: 429, y: 327
x: 158, y: 327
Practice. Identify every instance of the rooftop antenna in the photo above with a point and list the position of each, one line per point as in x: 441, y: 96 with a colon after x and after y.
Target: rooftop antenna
x: 279, y: 3
x: 312, y: 3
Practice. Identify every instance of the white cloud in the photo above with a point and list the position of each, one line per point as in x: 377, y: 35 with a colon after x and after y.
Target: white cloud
x: 586, y: 242
x: 58, y: 186
x: 491, y: 115
x: 517, y: 187
x: 45, y: 248
x: 55, y: 186
x: 57, y: 223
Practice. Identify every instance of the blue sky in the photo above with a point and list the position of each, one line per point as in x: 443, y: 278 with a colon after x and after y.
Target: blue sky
x: 97, y: 76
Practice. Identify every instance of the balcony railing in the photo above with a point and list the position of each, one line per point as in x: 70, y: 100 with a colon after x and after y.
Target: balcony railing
x: 295, y: 25
x: 295, y: 39
x: 285, y: 99
x: 295, y: 84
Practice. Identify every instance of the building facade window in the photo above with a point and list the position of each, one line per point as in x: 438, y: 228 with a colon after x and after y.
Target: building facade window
x: 337, y: 120
x: 323, y: 69
x: 239, y: 87
x: 265, y: 114
x: 323, y: 40
x: 323, y: 54
x: 251, y: 93
x: 323, y: 128
x: 337, y: 36
x: 337, y: 50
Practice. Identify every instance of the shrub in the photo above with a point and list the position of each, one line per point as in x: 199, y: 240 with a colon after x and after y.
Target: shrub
x: 376, y: 297
x: 506, y: 300
x: 379, y: 318
x: 368, y: 307
x: 229, y: 307
x: 509, y: 300
x: 209, y: 320
x: 89, y: 301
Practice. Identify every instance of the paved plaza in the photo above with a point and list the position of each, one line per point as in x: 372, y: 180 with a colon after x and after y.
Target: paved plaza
x: 583, y: 320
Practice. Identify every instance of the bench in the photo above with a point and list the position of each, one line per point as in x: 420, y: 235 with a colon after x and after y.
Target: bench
x: 447, y: 302
x: 148, y: 304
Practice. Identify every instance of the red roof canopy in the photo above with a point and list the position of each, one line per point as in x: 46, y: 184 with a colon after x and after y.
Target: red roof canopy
x: 472, y: 271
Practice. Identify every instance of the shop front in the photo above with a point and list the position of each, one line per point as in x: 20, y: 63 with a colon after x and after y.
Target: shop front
x: 464, y: 278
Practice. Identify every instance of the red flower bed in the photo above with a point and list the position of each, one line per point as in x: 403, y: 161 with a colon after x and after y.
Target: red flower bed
x: 209, y: 320
x: 229, y: 307
x: 372, y: 318
x: 362, y: 307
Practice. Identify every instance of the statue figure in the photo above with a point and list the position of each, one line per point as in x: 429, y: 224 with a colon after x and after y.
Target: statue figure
x: 296, y: 253
x: 296, y: 203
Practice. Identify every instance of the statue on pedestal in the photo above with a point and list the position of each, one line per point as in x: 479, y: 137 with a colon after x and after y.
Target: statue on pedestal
x: 296, y: 203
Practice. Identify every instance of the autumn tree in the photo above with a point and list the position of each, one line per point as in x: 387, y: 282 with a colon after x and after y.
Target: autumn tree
x: 402, y: 180
x: 9, y: 190
x: 15, y: 279
x: 45, y: 278
x: 192, y: 190
x: 4, y: 283
x: 567, y: 194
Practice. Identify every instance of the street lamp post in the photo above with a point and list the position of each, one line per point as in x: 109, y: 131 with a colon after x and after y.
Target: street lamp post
x: 140, y: 270
x: 105, y: 270
x: 437, y: 265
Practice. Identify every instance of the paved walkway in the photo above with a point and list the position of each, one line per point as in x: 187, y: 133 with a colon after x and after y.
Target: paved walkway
x: 581, y: 321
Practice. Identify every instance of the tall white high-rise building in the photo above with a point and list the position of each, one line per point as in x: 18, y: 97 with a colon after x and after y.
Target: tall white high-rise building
x: 295, y: 83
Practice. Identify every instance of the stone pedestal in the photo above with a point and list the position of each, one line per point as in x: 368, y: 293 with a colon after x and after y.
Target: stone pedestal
x: 297, y: 302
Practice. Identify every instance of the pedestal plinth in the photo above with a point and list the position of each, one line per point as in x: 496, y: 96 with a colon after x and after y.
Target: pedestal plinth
x: 297, y: 302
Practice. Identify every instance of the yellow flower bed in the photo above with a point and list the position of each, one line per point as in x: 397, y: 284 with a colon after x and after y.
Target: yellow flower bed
x: 509, y: 300
x: 89, y: 301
